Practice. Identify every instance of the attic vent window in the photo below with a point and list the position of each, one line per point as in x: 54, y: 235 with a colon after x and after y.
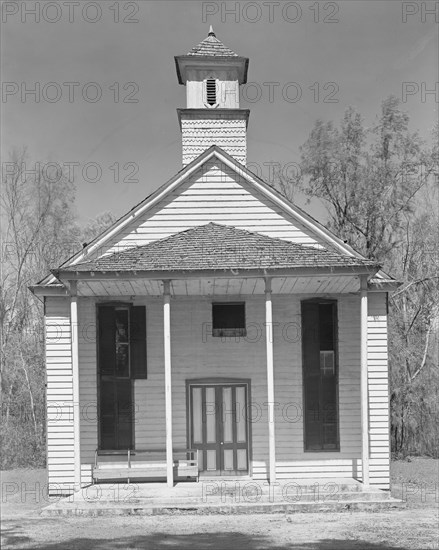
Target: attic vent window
x: 228, y: 319
x: 211, y: 91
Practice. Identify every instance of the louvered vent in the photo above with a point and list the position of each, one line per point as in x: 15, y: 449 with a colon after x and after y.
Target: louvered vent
x: 211, y: 91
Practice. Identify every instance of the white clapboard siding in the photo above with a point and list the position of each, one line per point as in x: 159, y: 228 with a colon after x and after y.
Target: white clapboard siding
x: 213, y: 194
x: 378, y: 390
x: 59, y: 395
x: 311, y: 469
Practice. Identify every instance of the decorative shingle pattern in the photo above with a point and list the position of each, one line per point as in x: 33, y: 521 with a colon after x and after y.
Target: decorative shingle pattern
x: 212, y: 47
x: 219, y: 247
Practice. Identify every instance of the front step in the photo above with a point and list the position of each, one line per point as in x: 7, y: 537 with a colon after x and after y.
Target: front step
x: 189, y: 508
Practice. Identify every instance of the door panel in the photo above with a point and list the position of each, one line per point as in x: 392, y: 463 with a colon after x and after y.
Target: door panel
x: 210, y: 408
x: 197, y: 420
x: 116, y: 414
x: 241, y: 410
x: 219, y: 428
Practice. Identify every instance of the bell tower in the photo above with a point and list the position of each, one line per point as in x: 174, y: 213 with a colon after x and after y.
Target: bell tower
x: 212, y: 74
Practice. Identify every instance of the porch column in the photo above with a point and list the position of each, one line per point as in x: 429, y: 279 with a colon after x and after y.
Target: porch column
x: 74, y: 336
x: 364, y: 383
x: 168, y: 387
x: 270, y: 380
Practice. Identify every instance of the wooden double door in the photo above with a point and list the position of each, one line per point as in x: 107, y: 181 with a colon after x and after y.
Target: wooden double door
x: 219, y: 428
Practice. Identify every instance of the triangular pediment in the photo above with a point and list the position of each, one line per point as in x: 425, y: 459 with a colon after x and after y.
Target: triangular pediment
x: 212, y: 188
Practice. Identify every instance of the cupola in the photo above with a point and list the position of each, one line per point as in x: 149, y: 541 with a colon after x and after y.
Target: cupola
x: 212, y: 74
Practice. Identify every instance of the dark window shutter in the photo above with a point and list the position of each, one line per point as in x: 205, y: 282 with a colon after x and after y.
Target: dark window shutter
x: 106, y: 340
x: 138, y: 341
x: 329, y: 412
x: 312, y: 414
x: 107, y: 414
x: 310, y: 338
x: 116, y: 414
x: 326, y: 326
x: 125, y: 420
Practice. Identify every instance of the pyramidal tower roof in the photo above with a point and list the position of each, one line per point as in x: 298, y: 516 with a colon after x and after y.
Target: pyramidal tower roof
x: 212, y: 47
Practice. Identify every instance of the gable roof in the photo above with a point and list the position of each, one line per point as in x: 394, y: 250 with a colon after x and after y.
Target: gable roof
x: 88, y: 252
x: 216, y: 247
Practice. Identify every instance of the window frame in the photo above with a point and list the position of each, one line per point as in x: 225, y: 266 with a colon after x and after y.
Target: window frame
x: 127, y: 344
x: 336, y: 339
x: 229, y: 331
x: 114, y: 378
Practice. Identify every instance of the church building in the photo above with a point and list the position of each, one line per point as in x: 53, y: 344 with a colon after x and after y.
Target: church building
x: 216, y: 329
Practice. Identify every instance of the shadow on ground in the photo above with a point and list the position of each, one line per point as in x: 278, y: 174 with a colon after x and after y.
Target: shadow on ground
x: 195, y: 541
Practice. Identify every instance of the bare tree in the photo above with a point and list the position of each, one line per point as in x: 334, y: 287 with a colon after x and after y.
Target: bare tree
x: 367, y: 179
x: 380, y: 190
x: 38, y: 232
x: 37, y: 228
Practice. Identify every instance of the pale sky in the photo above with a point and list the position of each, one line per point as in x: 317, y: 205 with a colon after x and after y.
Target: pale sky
x: 365, y: 48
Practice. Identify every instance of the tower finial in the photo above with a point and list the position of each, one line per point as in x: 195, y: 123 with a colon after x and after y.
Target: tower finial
x: 211, y: 33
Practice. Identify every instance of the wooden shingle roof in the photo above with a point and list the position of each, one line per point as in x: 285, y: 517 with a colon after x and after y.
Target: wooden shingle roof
x: 220, y: 247
x: 212, y: 47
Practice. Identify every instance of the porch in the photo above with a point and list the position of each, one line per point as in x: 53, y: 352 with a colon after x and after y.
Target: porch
x: 193, y: 377
x: 187, y: 396
x: 225, y: 496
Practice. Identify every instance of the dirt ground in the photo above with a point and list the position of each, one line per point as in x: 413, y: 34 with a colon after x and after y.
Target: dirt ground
x: 417, y: 527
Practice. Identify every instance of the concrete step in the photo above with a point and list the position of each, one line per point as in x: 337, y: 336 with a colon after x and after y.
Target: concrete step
x: 197, y: 508
x: 239, y: 498
x: 306, y: 485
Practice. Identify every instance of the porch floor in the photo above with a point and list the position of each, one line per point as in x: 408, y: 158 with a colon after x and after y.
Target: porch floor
x: 223, y: 496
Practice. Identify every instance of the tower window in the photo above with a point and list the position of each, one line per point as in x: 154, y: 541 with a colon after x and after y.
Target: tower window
x: 211, y: 91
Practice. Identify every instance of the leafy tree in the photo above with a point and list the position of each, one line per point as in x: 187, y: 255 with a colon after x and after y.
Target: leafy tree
x: 367, y: 179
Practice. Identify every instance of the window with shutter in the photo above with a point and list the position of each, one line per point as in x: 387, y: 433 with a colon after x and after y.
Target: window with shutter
x: 320, y: 375
x: 121, y: 359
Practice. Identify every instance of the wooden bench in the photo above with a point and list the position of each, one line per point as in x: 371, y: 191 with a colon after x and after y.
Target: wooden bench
x: 143, y: 464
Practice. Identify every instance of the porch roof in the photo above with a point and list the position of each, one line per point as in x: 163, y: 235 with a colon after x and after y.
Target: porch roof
x: 215, y: 247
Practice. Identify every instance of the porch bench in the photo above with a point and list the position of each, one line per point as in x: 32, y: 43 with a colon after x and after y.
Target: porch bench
x: 143, y: 464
